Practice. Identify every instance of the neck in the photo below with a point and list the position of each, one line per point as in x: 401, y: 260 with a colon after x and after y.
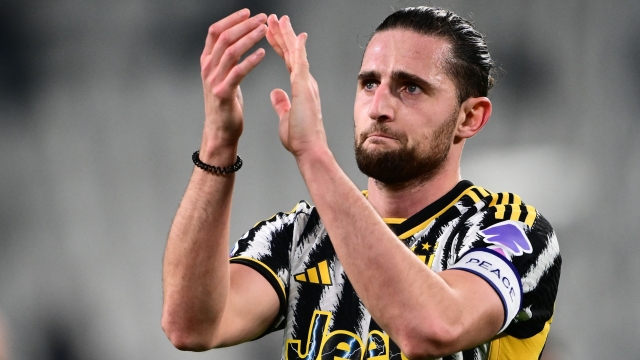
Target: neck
x: 404, y: 200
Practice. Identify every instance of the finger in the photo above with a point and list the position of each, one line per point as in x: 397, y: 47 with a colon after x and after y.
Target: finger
x: 233, y: 53
x: 233, y: 34
x: 282, y: 106
x: 232, y: 81
x: 274, y: 44
x: 274, y: 26
x: 217, y: 28
x: 280, y: 102
x: 301, y: 52
x: 272, y: 23
x: 288, y: 35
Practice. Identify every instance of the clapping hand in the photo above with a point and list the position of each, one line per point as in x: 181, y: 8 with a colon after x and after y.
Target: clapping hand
x: 301, y: 128
x: 227, y: 40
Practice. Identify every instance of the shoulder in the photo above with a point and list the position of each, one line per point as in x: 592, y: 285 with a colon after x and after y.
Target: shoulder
x: 504, y: 223
x: 278, y: 229
x: 506, y: 211
x: 302, y: 210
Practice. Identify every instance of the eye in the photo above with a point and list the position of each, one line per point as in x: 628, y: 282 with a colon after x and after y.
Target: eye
x: 368, y: 84
x: 413, y: 89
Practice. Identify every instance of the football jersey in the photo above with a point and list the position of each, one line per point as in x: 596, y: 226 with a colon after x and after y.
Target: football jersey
x: 493, y: 235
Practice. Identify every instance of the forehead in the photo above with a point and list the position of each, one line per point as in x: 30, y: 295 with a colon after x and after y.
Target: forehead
x: 406, y: 50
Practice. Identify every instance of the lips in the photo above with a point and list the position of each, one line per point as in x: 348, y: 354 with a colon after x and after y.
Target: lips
x: 379, y: 132
x: 382, y: 135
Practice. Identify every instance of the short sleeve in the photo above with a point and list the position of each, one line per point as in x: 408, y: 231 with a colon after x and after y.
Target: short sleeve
x: 266, y: 248
x: 515, y: 250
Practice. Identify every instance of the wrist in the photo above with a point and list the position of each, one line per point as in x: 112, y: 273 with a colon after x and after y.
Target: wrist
x: 220, y: 130
x: 315, y: 158
x: 218, y: 153
x: 219, y: 138
x: 219, y: 170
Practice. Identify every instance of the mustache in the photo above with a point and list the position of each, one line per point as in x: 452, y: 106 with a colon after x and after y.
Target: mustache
x: 381, y: 128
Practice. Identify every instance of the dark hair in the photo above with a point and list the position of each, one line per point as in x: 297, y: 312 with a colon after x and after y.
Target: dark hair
x: 470, y: 65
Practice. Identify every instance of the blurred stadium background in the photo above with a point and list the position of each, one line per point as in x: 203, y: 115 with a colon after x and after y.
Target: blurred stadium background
x: 101, y: 108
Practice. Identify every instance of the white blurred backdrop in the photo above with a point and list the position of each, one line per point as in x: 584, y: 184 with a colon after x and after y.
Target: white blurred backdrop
x: 101, y: 108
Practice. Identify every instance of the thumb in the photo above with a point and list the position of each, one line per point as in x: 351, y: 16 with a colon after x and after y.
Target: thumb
x: 280, y: 102
x: 282, y: 105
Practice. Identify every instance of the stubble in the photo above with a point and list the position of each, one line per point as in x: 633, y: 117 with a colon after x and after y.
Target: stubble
x: 406, y: 164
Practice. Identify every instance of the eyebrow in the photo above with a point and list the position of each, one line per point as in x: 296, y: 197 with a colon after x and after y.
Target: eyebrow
x: 371, y: 74
x: 398, y: 75
x: 408, y: 77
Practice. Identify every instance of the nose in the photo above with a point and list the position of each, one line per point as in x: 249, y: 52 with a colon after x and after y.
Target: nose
x: 381, y: 107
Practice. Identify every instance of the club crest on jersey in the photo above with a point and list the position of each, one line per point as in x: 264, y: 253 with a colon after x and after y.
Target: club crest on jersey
x: 508, y: 238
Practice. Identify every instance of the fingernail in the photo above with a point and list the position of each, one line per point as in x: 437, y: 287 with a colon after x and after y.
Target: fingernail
x: 243, y: 12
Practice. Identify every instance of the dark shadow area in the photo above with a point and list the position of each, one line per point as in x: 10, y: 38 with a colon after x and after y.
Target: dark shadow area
x: 631, y: 50
x: 178, y: 36
x: 59, y: 342
x: 522, y: 72
x: 19, y: 43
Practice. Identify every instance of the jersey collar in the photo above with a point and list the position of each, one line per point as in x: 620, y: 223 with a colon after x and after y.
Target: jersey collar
x: 421, y: 219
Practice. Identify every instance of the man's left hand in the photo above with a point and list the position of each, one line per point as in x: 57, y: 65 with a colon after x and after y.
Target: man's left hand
x: 301, y: 129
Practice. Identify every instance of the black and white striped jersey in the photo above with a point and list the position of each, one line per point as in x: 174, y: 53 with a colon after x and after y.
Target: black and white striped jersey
x: 493, y: 235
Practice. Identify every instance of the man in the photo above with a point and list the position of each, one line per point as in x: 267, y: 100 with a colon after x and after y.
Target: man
x: 423, y: 265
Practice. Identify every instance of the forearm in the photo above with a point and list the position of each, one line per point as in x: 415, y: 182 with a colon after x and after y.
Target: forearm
x: 408, y: 300
x: 427, y: 314
x: 196, y: 264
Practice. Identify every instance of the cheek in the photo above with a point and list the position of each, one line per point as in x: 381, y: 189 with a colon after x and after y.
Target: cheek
x: 418, y: 142
x: 356, y: 133
x: 420, y: 136
x: 361, y: 104
x: 360, y: 117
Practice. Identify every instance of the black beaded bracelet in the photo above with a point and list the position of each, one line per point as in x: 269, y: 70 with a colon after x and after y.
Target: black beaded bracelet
x: 215, y: 169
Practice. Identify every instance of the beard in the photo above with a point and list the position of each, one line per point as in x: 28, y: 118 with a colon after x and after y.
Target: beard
x: 405, y: 164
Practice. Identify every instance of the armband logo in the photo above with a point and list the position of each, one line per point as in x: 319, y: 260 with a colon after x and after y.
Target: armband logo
x: 508, y: 237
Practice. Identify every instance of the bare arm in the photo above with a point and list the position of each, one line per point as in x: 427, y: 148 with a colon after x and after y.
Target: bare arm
x: 429, y: 315
x: 207, y: 302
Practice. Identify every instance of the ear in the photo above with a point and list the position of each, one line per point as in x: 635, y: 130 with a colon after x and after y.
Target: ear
x: 476, y: 114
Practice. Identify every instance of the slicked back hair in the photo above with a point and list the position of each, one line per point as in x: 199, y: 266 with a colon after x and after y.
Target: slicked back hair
x: 469, y: 65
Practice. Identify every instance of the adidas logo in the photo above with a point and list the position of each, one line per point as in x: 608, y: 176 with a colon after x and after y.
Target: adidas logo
x: 318, y: 274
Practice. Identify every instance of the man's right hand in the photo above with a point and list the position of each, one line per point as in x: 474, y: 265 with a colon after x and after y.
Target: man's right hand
x: 227, y: 40
x: 206, y: 301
